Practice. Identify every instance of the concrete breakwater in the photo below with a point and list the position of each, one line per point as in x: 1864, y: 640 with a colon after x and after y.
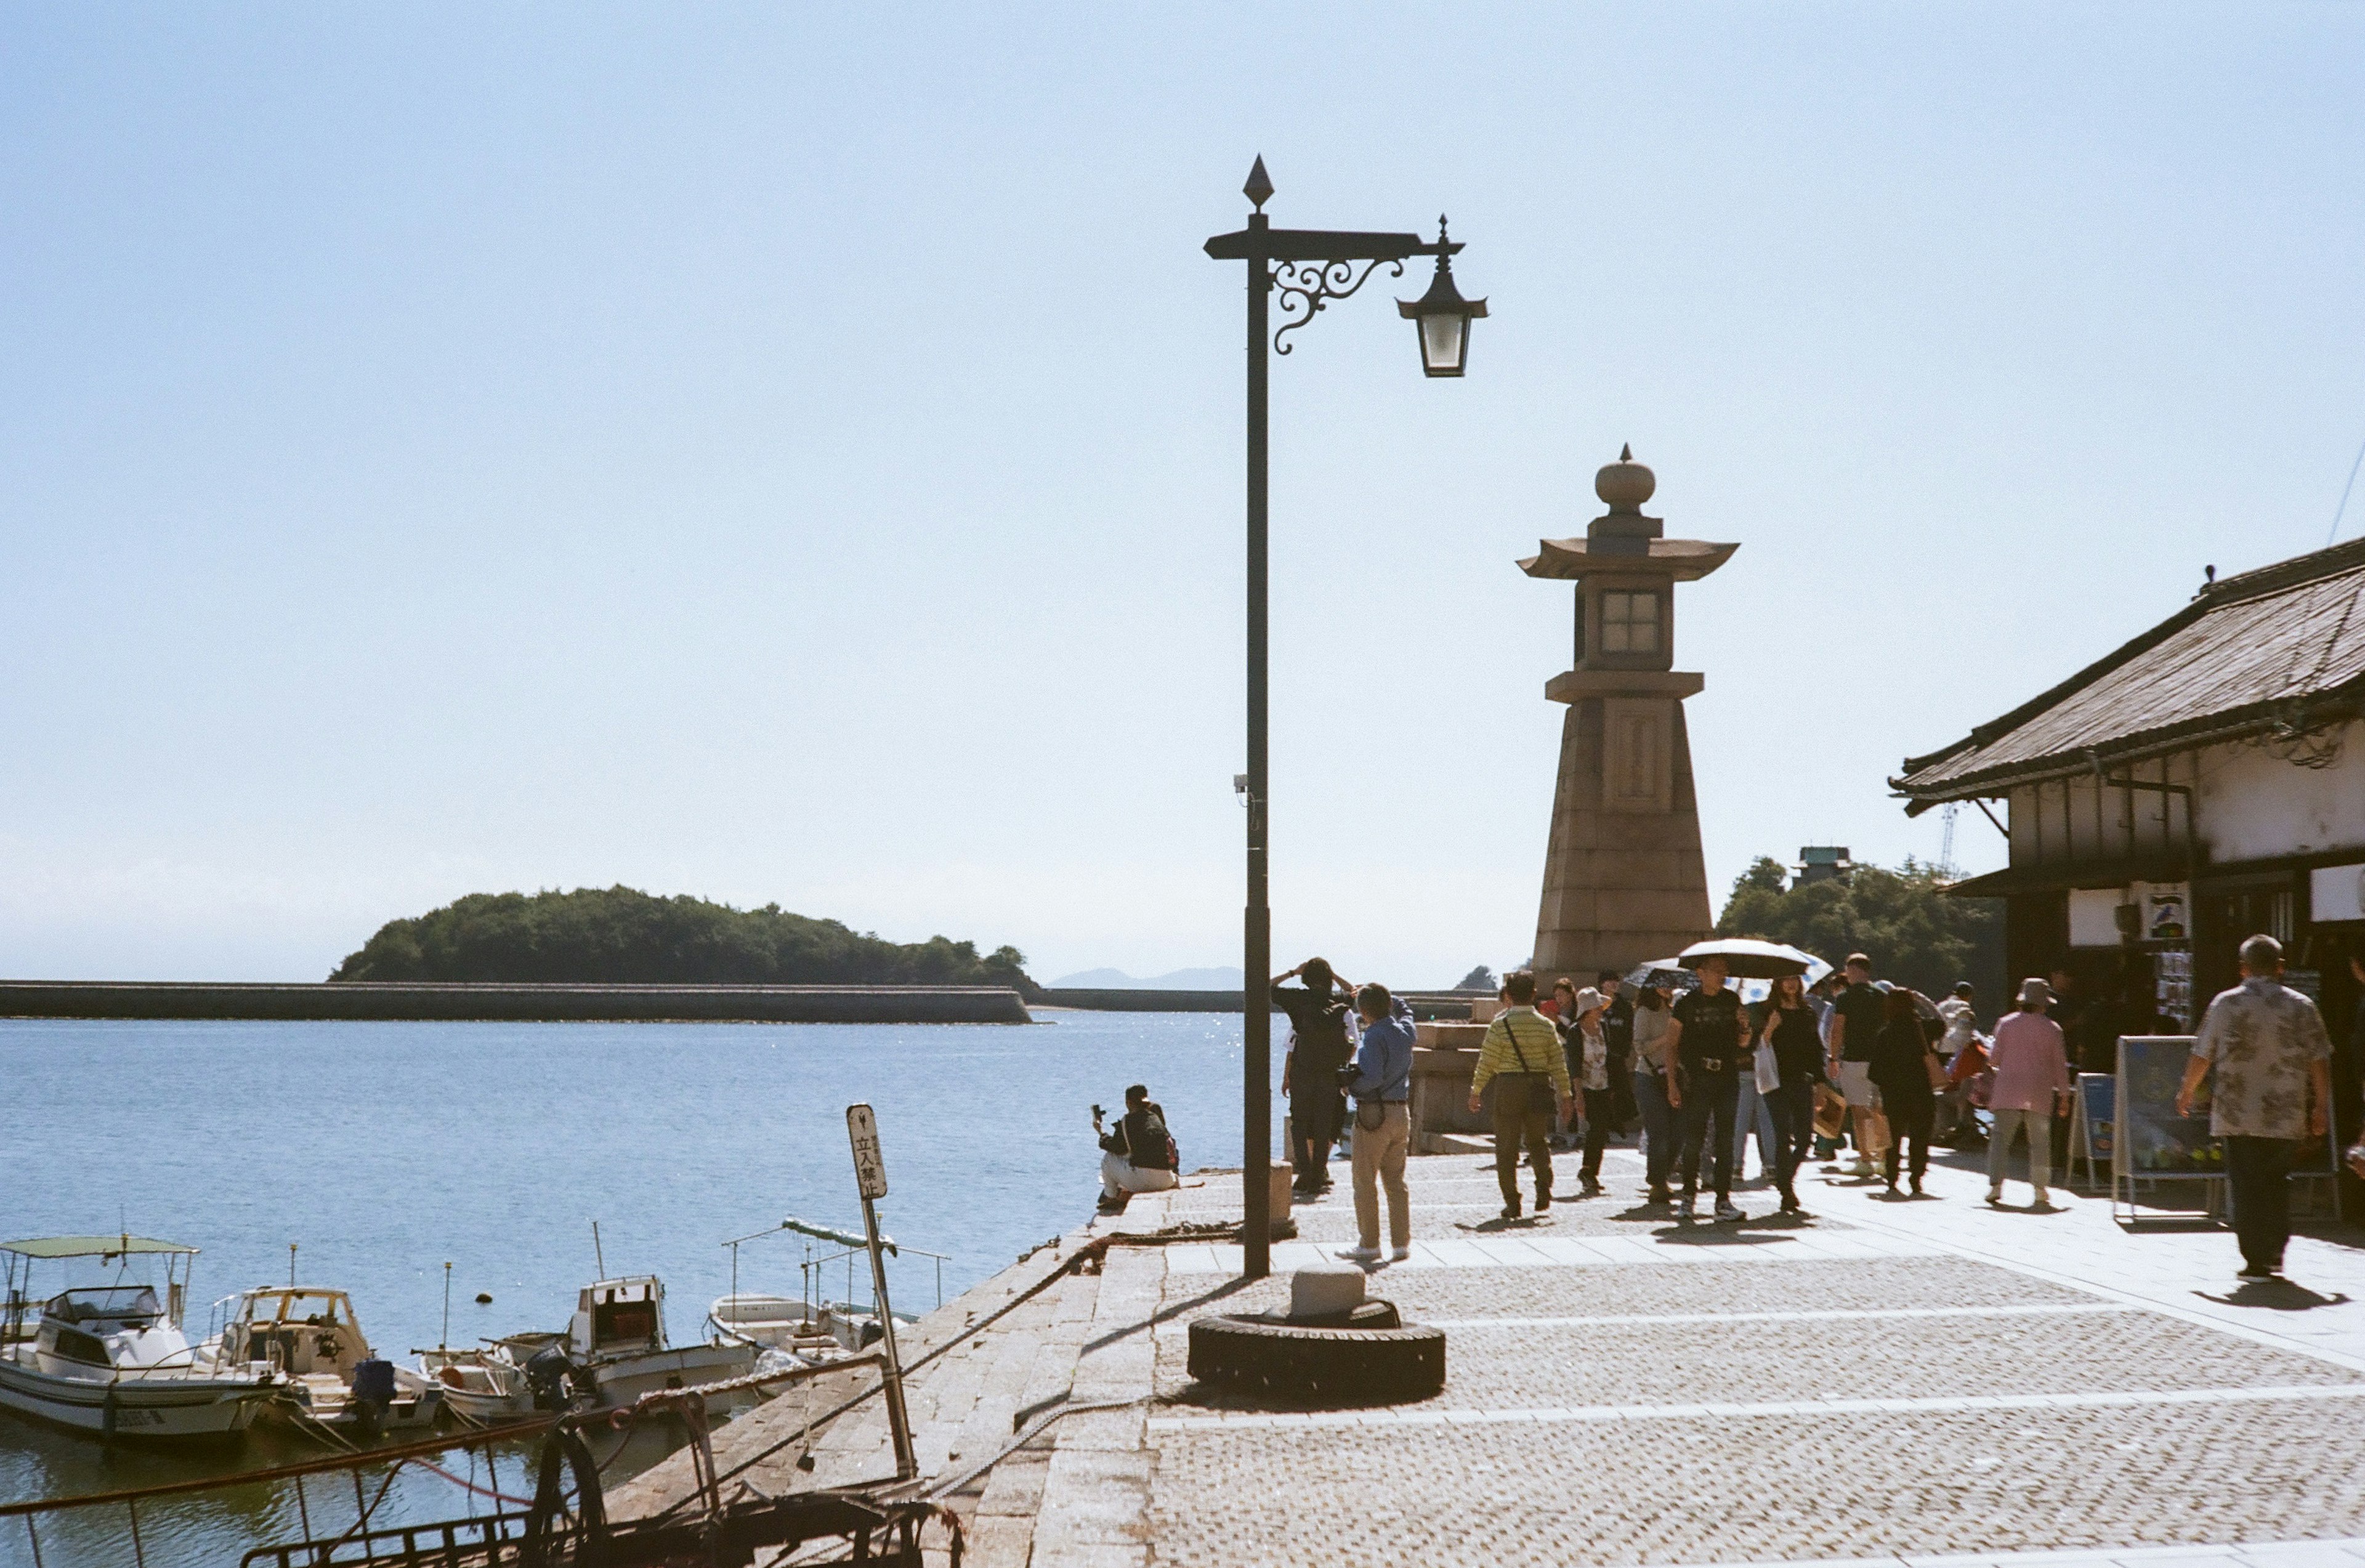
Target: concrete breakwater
x: 1094, y: 999
x: 371, y: 1000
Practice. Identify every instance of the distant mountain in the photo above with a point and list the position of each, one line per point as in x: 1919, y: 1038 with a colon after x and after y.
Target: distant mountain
x: 1179, y: 980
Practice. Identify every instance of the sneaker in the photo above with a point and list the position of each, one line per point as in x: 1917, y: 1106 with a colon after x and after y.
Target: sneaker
x: 1592, y: 1189
x: 1863, y: 1168
x: 1995, y: 1196
x: 1683, y: 1207
x: 1726, y: 1213
x: 1400, y: 1254
x: 1358, y: 1254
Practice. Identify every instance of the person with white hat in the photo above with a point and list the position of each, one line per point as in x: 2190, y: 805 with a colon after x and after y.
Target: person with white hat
x: 2032, y: 1072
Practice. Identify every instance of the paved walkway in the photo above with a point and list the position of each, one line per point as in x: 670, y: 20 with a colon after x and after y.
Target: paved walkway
x: 1929, y: 1382
x: 1898, y: 1382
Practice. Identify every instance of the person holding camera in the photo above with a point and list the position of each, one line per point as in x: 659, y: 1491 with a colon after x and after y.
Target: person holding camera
x: 1139, y: 1156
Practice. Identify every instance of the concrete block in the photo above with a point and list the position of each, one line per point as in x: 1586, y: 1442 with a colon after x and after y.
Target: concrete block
x: 1317, y: 1292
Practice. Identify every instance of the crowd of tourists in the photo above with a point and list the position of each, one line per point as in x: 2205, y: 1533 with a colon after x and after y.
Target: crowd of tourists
x: 1849, y: 1062
x: 1697, y: 1072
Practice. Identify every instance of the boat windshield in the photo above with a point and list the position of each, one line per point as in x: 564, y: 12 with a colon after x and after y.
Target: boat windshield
x: 107, y: 1303
x: 316, y: 1307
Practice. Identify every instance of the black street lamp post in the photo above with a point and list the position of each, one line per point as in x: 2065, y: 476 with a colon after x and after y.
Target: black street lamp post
x: 1307, y: 268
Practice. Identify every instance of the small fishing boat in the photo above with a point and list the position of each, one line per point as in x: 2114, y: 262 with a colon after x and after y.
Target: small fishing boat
x: 783, y: 1323
x: 481, y: 1382
x: 112, y: 1360
x: 311, y: 1336
x: 616, y: 1339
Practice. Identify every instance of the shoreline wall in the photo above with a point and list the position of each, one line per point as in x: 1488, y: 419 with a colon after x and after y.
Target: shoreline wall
x: 1425, y: 1004
x: 381, y: 1001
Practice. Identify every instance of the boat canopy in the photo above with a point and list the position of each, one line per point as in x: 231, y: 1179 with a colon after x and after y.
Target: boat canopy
x: 93, y: 1247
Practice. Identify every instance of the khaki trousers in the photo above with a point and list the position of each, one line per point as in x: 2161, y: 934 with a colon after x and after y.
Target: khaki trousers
x: 1380, y: 1159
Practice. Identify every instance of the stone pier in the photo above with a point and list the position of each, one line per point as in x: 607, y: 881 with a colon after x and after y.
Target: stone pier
x: 1910, y: 1382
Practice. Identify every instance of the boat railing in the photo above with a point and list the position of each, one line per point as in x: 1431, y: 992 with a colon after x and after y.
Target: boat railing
x: 810, y: 1269
x: 815, y: 1266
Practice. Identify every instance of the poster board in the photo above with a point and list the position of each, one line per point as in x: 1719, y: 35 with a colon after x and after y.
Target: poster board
x: 2151, y: 1145
x: 2093, y: 1132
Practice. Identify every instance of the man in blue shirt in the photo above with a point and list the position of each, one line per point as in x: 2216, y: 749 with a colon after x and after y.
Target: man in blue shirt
x: 1383, y: 1090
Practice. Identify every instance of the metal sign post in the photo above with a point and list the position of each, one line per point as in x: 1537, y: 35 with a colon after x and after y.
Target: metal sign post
x: 871, y: 1180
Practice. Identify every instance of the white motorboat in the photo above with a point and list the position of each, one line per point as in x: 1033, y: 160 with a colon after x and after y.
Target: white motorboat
x: 482, y: 1383
x: 617, y: 1339
x: 784, y: 1323
x: 112, y: 1360
x: 310, y: 1334
x: 787, y: 1333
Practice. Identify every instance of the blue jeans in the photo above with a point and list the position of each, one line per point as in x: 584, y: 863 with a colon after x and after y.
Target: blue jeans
x: 1658, y: 1126
x: 1793, y: 1109
x: 1751, y: 1114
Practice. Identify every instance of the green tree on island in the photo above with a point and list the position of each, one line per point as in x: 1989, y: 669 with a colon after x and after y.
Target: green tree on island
x: 1903, y: 920
x: 622, y: 935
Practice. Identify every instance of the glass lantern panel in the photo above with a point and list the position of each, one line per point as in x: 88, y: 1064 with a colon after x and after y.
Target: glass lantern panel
x: 1440, y: 342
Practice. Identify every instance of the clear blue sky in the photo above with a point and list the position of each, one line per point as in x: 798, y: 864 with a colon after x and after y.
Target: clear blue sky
x: 794, y: 452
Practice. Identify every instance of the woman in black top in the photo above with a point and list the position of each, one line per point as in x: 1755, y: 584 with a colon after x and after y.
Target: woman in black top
x: 1899, y: 1073
x: 1789, y: 1023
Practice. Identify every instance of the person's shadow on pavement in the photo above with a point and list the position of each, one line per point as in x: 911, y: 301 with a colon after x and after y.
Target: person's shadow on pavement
x: 2275, y: 1295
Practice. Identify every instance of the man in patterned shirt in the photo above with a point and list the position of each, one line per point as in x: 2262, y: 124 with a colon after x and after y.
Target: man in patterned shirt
x: 2273, y: 1087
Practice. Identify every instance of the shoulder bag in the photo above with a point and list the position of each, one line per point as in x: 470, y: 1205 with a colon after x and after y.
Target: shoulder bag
x: 1514, y: 1091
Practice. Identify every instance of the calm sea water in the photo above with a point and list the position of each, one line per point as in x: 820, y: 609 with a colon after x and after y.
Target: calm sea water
x: 382, y: 1151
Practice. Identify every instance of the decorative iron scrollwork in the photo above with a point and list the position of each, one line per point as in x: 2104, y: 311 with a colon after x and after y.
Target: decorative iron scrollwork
x: 1304, y: 287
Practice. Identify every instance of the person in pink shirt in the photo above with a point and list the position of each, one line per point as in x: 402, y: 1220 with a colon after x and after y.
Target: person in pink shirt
x: 2032, y: 1072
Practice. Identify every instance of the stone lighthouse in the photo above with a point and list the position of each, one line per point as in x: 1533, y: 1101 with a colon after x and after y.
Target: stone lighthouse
x: 1624, y: 880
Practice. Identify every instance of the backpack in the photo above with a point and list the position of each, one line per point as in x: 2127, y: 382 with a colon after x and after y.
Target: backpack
x: 1161, y: 1141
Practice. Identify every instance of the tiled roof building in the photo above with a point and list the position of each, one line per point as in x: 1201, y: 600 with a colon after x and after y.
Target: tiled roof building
x: 2201, y: 783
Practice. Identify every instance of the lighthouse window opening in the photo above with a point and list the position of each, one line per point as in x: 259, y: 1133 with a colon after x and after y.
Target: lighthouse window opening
x: 1629, y: 623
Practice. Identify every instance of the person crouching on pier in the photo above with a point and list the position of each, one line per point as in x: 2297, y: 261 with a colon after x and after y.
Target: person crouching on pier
x: 1521, y: 1057
x: 1139, y: 1156
x: 1382, y: 1086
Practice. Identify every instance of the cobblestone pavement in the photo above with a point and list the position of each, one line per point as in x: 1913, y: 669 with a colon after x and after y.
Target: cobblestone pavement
x: 1931, y: 1385
x: 1894, y: 1382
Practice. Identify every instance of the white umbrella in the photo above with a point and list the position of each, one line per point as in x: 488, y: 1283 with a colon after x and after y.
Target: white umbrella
x: 1747, y: 957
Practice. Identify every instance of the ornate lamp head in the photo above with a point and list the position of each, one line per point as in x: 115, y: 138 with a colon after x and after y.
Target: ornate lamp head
x: 1443, y: 317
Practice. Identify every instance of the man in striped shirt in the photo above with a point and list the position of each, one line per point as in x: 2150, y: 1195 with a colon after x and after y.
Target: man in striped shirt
x: 1521, y: 1057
